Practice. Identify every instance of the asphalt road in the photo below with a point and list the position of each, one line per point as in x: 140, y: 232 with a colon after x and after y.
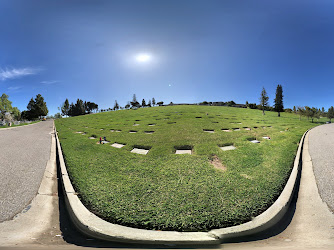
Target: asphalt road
x: 24, y: 152
x: 322, y: 153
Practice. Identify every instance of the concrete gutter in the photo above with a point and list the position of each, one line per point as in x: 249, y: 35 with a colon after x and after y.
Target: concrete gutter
x: 93, y: 226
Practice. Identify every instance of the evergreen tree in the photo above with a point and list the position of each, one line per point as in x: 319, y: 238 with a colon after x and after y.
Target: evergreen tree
x: 134, y: 102
x: 79, y: 108
x: 278, y: 107
x: 143, y: 103
x: 264, y: 100
x: 330, y: 113
x: 65, y: 108
x: 40, y: 106
x: 116, y: 106
x: 153, y: 101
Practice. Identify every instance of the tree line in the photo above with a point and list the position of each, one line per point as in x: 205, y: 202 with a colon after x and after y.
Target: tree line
x: 134, y: 104
x: 36, y: 108
x: 79, y: 108
x: 312, y: 112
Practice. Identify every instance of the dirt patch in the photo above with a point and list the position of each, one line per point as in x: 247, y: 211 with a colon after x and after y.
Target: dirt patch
x: 215, y: 161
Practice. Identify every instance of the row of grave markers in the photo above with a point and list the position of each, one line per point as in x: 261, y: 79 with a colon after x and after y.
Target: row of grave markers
x: 178, y: 151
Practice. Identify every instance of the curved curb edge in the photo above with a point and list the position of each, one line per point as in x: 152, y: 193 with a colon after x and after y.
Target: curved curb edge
x: 93, y: 226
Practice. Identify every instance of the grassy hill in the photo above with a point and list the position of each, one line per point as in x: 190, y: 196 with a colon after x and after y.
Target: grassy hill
x: 161, y: 190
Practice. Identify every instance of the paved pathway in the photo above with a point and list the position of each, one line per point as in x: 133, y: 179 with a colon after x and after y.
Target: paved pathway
x: 322, y: 154
x: 24, y: 152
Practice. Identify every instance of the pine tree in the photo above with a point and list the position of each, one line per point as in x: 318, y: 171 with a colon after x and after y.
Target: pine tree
x: 65, y: 108
x: 153, y: 101
x: 116, y: 106
x: 264, y: 100
x: 278, y: 107
x: 40, y: 106
x: 330, y: 113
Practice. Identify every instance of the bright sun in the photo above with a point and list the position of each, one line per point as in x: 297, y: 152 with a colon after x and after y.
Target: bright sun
x: 143, y: 58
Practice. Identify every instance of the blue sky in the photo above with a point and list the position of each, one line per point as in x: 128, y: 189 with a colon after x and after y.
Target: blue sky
x: 198, y: 50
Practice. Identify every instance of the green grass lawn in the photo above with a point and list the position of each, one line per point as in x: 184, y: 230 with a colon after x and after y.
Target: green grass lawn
x: 166, y: 191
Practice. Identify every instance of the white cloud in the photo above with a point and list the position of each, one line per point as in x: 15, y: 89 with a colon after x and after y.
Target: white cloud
x: 49, y: 82
x: 6, y: 74
x: 14, y: 88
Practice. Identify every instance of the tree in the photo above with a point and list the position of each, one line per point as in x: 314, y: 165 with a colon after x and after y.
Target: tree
x: 80, y: 107
x: 301, y: 111
x: 323, y: 113
x: 135, y: 103
x: 330, y: 113
x: 36, y: 108
x: 65, y: 108
x: 230, y: 103
x: 134, y: 98
x: 294, y: 109
x: 143, y: 103
x: 5, y: 105
x: 57, y: 116
x: 153, y: 101
x: 278, y: 106
x: 160, y: 103
x: 31, y: 109
x: 264, y: 100
x: 90, y: 106
x: 247, y: 104
x: 127, y: 105
x: 116, y: 106
x: 312, y: 113
x: 16, y: 113
x: 40, y: 106
x: 149, y: 104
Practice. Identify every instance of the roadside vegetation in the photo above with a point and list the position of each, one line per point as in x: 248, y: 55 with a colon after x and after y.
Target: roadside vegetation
x: 210, y: 188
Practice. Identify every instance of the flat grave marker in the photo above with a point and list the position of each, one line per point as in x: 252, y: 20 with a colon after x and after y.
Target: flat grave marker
x: 183, y: 151
x: 140, y: 151
x: 227, y: 147
x: 117, y: 145
x: 208, y: 130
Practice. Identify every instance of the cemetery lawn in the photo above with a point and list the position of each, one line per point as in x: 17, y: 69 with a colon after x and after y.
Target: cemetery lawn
x: 167, y: 191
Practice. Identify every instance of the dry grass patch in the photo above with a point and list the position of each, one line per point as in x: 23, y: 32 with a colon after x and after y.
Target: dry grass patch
x: 215, y: 161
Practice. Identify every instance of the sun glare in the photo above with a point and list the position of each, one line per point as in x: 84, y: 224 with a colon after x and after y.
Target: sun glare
x: 143, y: 58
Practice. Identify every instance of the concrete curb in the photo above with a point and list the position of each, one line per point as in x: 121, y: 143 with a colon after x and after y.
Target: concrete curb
x: 93, y: 226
